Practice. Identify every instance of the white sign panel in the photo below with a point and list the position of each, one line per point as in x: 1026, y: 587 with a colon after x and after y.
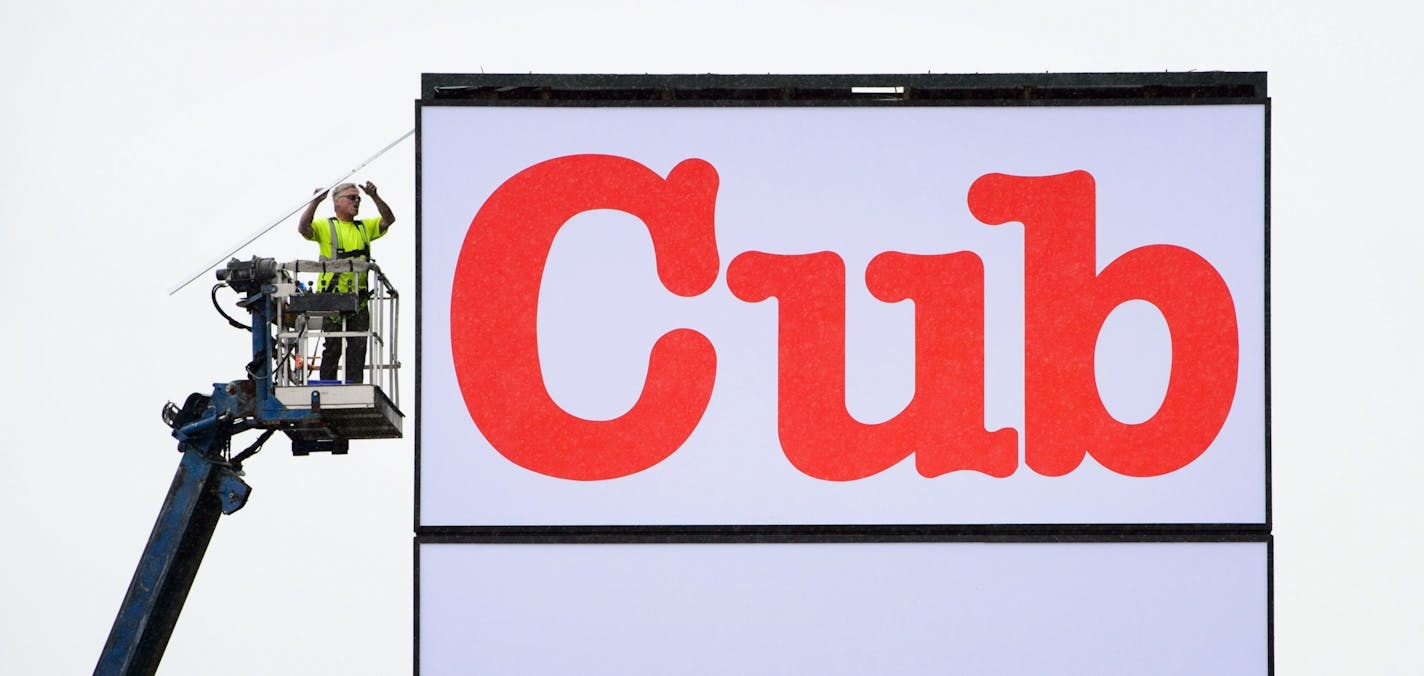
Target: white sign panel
x: 842, y: 315
x: 914, y: 608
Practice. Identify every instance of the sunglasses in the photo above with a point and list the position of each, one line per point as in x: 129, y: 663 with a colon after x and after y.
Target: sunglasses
x: 354, y: 198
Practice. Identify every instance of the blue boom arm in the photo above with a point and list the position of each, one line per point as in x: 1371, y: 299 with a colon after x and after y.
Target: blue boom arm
x: 206, y: 485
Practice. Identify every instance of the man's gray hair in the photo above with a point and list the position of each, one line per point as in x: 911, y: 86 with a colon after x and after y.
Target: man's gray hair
x: 342, y: 186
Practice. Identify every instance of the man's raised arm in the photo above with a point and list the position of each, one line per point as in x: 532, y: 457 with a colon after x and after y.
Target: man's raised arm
x: 387, y: 216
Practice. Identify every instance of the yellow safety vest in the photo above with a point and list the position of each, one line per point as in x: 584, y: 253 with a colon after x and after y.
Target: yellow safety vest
x: 339, y: 239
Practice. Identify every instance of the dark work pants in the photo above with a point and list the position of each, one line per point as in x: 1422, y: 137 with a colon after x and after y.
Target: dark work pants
x: 355, y: 347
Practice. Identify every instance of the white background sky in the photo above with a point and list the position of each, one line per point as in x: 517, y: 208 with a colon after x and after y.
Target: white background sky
x: 141, y: 140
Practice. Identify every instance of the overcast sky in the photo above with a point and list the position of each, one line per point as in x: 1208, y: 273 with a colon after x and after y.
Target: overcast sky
x: 142, y: 140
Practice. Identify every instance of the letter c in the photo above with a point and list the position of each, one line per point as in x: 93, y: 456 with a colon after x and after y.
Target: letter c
x: 494, y: 310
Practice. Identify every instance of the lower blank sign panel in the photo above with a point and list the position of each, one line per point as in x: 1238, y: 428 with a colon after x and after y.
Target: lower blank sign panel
x: 838, y: 608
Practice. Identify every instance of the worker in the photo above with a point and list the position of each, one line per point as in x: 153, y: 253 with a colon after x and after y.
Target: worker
x: 346, y: 236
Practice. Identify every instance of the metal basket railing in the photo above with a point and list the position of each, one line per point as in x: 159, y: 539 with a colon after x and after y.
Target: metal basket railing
x: 307, y: 322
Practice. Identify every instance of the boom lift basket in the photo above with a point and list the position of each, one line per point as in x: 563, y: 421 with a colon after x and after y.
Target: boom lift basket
x: 340, y: 411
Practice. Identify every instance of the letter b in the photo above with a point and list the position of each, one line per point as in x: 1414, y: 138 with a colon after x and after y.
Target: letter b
x: 1065, y: 304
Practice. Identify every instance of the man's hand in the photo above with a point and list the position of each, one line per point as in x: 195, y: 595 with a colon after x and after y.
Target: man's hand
x: 369, y: 189
x: 304, y: 223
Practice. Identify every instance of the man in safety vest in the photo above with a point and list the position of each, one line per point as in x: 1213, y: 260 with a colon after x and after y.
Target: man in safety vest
x: 345, y: 236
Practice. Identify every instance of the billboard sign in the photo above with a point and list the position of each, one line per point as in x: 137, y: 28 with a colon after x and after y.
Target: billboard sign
x: 843, y: 374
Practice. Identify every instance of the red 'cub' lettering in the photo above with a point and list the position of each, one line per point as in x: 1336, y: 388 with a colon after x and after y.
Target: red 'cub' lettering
x: 494, y: 311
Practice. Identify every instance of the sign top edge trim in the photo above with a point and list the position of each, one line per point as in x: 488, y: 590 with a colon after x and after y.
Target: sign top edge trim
x: 794, y: 89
